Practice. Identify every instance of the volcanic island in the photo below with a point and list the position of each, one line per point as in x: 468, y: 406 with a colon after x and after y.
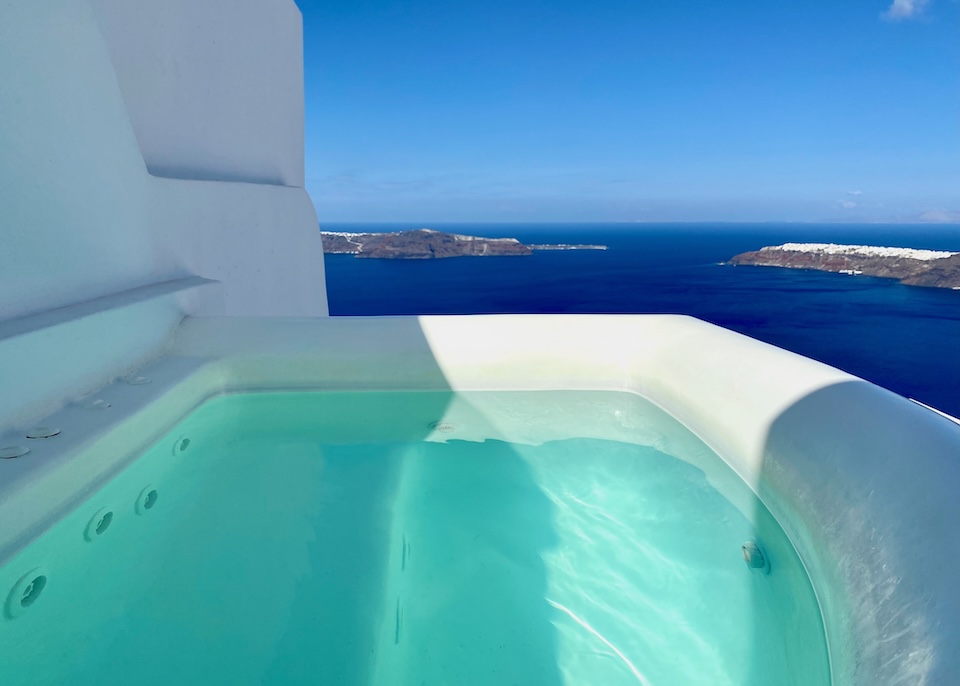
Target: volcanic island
x: 910, y: 266
x: 427, y: 244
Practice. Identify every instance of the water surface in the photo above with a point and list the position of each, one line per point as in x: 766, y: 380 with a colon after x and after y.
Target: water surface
x: 347, y: 538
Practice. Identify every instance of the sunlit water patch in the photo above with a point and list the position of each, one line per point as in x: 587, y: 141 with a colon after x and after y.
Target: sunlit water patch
x: 416, y: 538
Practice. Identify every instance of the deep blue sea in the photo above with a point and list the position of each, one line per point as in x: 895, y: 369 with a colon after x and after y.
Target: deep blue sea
x: 904, y: 338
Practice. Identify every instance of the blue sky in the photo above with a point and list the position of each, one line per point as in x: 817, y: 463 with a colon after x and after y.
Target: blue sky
x: 642, y: 110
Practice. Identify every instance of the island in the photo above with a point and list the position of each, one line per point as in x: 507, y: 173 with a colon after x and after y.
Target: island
x: 933, y: 268
x: 426, y: 244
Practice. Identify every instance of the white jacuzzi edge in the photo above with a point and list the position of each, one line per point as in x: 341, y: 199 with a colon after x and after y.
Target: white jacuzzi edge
x: 860, y: 479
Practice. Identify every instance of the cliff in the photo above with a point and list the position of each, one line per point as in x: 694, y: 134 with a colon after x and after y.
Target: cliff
x: 424, y: 244
x: 934, y: 268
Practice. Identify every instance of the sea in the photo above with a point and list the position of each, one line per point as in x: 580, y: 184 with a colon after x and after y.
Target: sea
x: 904, y: 338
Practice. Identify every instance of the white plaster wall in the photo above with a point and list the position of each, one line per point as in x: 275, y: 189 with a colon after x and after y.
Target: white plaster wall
x: 214, y: 89
x: 73, y: 188
x: 262, y: 243
x: 61, y: 354
x: 212, y: 85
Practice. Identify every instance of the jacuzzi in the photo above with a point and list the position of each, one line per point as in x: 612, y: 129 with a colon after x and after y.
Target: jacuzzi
x: 480, y: 500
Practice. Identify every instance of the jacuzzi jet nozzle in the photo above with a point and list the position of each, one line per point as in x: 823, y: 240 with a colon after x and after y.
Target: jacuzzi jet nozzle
x: 754, y: 556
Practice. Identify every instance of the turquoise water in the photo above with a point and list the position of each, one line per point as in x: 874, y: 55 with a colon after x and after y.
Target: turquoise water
x: 415, y: 538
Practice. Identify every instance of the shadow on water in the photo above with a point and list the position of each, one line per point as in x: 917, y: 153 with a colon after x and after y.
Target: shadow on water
x: 470, y: 581
x: 282, y: 552
x: 425, y: 558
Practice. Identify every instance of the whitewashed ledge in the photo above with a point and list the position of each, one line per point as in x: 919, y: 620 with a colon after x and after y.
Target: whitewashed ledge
x: 861, y: 480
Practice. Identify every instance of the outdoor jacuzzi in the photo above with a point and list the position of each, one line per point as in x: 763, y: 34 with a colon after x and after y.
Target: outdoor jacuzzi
x: 480, y: 500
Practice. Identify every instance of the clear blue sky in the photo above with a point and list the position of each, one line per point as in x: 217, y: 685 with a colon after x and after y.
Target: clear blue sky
x: 632, y: 110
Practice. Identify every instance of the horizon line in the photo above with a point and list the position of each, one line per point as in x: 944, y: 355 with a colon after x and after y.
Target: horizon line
x: 818, y: 222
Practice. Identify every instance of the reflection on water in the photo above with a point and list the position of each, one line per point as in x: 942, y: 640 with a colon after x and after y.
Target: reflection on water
x: 318, y: 538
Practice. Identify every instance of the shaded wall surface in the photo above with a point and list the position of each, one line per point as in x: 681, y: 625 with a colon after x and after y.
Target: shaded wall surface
x: 145, y: 143
x: 99, y: 98
x: 209, y: 103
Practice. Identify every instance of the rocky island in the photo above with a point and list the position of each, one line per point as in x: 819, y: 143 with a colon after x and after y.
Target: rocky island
x: 934, y: 268
x: 425, y: 244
